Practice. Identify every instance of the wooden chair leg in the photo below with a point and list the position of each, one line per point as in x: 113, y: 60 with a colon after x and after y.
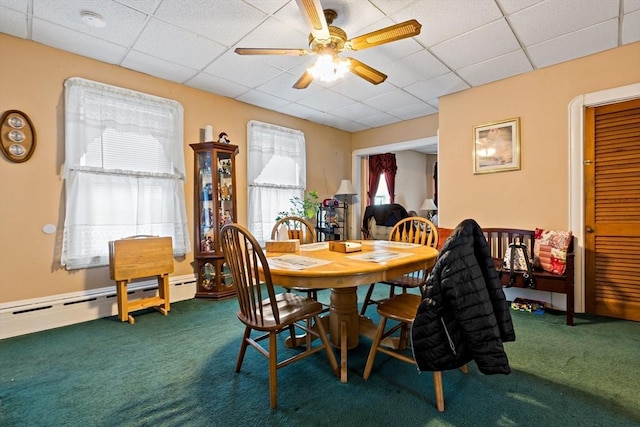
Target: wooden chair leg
x: 243, y: 349
x: 437, y: 386
x: 343, y: 351
x: 374, y: 348
x: 327, y: 345
x: 273, y: 370
x: 367, y: 299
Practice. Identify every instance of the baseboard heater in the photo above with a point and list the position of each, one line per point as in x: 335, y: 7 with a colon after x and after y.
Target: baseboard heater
x: 39, y: 314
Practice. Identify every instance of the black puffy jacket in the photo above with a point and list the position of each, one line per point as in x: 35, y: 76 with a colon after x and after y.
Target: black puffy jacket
x: 464, y: 314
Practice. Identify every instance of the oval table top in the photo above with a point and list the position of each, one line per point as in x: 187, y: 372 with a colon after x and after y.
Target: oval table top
x: 377, y: 261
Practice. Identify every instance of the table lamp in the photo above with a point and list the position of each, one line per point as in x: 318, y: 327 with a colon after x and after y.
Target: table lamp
x: 345, y: 191
x: 429, y: 206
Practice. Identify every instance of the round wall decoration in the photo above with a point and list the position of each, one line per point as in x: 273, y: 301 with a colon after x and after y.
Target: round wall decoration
x: 18, y: 136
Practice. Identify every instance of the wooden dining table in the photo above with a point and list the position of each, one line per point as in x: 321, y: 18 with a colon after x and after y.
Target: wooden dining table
x: 314, y: 266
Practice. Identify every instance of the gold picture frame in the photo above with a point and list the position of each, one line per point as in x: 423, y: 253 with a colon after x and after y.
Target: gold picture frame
x: 496, y: 147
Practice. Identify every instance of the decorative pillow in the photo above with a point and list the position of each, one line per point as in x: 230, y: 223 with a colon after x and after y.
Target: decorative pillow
x: 550, y: 250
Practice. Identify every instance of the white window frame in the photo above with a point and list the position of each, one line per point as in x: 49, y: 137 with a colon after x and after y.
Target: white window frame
x: 273, y: 148
x: 109, y: 197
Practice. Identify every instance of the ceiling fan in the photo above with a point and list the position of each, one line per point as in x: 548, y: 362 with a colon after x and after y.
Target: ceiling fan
x: 328, y: 41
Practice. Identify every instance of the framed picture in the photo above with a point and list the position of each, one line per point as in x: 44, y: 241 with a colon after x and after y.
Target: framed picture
x: 496, y: 147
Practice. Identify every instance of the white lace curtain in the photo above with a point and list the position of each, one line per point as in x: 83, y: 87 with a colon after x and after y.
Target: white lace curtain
x: 124, y: 170
x: 276, y: 173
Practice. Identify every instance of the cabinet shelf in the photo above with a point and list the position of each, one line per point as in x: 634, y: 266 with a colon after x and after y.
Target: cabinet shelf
x: 330, y: 223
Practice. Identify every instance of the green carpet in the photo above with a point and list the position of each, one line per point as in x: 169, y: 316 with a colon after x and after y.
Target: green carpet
x: 179, y: 371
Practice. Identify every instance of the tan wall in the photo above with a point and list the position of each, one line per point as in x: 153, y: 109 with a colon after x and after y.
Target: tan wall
x: 411, y: 181
x: 31, y: 194
x: 538, y: 194
x: 408, y: 130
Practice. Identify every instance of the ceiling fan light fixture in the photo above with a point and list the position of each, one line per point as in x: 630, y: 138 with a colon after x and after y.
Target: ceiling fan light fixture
x: 329, y: 68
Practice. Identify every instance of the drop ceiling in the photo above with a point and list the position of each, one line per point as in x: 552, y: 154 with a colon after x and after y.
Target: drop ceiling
x: 463, y: 43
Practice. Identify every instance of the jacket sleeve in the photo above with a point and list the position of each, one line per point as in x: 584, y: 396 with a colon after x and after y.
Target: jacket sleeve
x: 468, y: 297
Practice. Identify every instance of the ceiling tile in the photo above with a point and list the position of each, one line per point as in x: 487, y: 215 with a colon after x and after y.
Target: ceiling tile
x: 75, y: 42
x: 481, y: 44
x: 227, y: 22
x: 13, y: 22
x: 355, y: 111
x: 297, y: 110
x: 177, y: 45
x: 123, y: 24
x: 267, y: 6
x: 495, y: 69
x: 234, y: 67
x: 157, y: 67
x: 413, y: 111
x: 575, y: 45
x: 512, y: 6
x: 146, y: 6
x: 262, y: 100
x: 553, y: 18
x: 419, y: 66
x: 326, y: 100
x: 631, y: 27
x: 392, y: 100
x: 282, y: 86
x: 16, y: 5
x: 437, y: 86
x: 217, y: 85
x: 359, y: 89
x: 445, y: 19
x: 630, y: 5
x: 377, y: 120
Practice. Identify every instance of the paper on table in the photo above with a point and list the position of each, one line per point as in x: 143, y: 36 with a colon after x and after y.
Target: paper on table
x: 379, y: 256
x: 296, y: 262
x: 314, y: 246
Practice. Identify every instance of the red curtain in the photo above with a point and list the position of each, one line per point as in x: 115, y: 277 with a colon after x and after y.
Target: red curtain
x: 378, y: 164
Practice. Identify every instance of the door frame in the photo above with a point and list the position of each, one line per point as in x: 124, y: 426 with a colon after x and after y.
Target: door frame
x: 576, y: 172
x: 356, y: 172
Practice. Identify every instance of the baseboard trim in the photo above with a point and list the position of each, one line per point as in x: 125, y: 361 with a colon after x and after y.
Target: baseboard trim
x: 39, y: 314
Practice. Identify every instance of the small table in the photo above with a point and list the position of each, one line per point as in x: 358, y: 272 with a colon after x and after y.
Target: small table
x: 343, y: 272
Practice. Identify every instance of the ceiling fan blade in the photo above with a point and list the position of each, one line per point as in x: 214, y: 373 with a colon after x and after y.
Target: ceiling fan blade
x: 268, y: 51
x: 304, y: 81
x: 314, y: 15
x: 385, y: 35
x: 369, y: 74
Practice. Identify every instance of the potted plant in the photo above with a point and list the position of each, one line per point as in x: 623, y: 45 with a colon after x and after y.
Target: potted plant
x: 306, y: 207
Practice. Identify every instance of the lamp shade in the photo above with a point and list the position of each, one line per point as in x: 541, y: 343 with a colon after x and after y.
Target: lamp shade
x: 428, y: 205
x: 346, y: 188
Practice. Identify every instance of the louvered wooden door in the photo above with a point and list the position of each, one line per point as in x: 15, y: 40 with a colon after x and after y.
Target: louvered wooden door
x: 612, y: 210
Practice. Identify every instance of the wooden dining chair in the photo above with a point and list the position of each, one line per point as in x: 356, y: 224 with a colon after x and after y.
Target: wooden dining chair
x: 409, y: 230
x: 296, y: 227
x: 401, y: 308
x: 266, y: 314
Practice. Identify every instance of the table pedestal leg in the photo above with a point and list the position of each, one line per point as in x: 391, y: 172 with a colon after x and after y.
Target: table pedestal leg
x: 343, y: 323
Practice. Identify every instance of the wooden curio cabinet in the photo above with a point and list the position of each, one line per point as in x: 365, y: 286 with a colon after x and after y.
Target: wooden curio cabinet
x: 215, y: 206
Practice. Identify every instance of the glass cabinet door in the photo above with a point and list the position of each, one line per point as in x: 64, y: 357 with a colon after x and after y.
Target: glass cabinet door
x: 206, y: 200
x: 225, y: 189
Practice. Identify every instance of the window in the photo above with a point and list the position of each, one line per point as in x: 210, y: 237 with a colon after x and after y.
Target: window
x: 124, y: 171
x: 276, y: 172
x: 382, y: 194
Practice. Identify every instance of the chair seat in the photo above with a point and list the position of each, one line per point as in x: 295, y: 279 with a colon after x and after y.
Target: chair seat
x: 291, y: 307
x: 401, y: 307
